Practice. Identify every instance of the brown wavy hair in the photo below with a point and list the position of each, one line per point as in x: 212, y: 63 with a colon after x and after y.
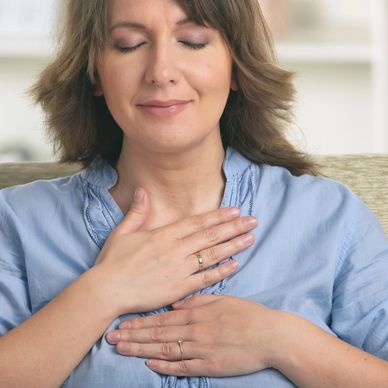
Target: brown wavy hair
x: 255, y: 118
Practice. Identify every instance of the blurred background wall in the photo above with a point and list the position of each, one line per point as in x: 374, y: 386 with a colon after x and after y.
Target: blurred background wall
x: 338, y: 49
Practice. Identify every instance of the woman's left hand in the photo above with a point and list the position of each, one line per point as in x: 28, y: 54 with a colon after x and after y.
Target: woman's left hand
x: 221, y: 336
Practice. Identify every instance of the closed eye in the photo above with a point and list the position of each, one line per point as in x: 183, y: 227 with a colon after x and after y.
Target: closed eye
x: 194, y: 46
x: 128, y: 49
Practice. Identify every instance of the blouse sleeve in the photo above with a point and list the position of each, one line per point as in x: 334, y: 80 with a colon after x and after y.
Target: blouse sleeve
x: 14, y: 298
x: 360, y: 298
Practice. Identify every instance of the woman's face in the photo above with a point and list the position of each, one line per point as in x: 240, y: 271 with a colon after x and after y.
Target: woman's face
x: 165, y: 79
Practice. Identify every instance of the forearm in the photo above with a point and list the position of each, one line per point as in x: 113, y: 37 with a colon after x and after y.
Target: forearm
x: 313, y: 358
x: 43, y: 350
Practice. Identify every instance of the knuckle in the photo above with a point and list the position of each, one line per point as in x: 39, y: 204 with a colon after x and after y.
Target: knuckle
x: 182, y: 367
x: 199, y: 222
x: 126, y: 348
x: 161, y: 320
x: 210, y: 235
x: 156, y: 334
x: 137, y: 211
x: 166, y: 350
x: 211, y: 254
x: 239, y: 243
x: 206, y: 278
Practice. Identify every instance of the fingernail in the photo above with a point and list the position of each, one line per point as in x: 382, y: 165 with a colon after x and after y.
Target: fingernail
x: 234, y: 264
x: 150, y: 363
x: 138, y: 195
x: 113, y: 336
x: 251, y: 221
x: 125, y: 325
x: 179, y: 303
x: 234, y: 212
x: 248, y: 239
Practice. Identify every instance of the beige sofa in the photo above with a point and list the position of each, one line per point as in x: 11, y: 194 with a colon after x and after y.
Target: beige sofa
x: 366, y: 175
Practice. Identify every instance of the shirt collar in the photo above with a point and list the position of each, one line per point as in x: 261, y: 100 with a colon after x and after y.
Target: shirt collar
x: 100, y: 174
x: 234, y: 163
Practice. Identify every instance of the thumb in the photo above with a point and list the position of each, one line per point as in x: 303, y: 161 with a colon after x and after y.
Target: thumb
x: 196, y: 301
x: 137, y: 213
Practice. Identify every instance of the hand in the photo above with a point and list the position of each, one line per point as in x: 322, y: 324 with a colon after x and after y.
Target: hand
x: 222, y: 336
x: 141, y: 270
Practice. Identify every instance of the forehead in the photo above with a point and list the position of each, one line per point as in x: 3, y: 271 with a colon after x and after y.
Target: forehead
x: 145, y: 9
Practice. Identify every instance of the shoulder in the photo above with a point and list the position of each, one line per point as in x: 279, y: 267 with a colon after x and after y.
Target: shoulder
x: 312, y: 203
x: 317, y: 203
x: 279, y: 184
x: 274, y: 189
x: 305, y: 190
x: 40, y: 198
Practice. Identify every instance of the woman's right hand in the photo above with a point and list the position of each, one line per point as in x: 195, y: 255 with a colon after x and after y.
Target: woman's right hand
x: 143, y: 270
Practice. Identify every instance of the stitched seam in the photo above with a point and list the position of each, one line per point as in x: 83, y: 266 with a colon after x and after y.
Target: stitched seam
x: 89, y: 226
x: 224, y: 282
x: 344, y: 249
x: 251, y: 187
x: 106, y: 210
x: 347, y: 244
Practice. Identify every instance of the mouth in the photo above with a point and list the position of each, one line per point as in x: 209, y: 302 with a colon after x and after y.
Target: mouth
x: 164, y: 108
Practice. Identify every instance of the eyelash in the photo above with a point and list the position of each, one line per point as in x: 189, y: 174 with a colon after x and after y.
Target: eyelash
x: 192, y: 46
x: 195, y: 46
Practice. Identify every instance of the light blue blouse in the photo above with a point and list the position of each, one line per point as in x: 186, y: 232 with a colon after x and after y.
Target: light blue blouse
x: 319, y: 253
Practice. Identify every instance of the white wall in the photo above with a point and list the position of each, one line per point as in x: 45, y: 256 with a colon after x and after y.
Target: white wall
x: 334, y: 108
x: 20, y: 121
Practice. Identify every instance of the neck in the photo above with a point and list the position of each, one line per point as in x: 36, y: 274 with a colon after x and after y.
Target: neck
x: 178, y: 185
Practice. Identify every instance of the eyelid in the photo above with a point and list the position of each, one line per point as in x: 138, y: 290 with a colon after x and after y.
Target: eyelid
x: 126, y: 49
x: 194, y: 45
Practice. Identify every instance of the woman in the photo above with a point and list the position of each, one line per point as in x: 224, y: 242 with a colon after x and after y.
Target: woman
x: 181, y: 103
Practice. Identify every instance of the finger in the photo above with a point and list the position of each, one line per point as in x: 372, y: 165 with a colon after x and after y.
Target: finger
x: 195, y: 367
x: 196, y: 301
x: 217, y: 253
x: 169, y: 318
x: 165, y: 351
x: 137, y: 213
x: 190, y: 225
x: 151, y: 335
x: 218, y: 234
x: 209, y: 277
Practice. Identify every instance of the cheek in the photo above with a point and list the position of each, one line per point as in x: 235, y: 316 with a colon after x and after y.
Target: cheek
x: 116, y: 79
x: 113, y: 84
x: 215, y: 77
x: 216, y: 86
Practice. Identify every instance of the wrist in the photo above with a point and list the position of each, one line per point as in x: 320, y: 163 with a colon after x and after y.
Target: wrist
x: 101, y: 292
x: 287, y: 333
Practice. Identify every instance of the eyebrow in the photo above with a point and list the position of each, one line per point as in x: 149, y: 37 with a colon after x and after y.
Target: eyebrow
x: 129, y: 24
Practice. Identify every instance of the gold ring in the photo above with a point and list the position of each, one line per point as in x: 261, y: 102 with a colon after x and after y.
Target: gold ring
x: 200, y: 261
x: 180, y: 342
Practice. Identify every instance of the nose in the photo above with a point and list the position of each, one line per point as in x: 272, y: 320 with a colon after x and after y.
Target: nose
x: 162, y: 69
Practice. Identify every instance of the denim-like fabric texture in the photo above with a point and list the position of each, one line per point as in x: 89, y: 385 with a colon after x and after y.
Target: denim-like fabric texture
x: 319, y: 253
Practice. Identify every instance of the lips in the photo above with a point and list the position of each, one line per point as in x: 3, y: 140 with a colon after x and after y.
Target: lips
x: 164, y: 108
x: 164, y: 104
